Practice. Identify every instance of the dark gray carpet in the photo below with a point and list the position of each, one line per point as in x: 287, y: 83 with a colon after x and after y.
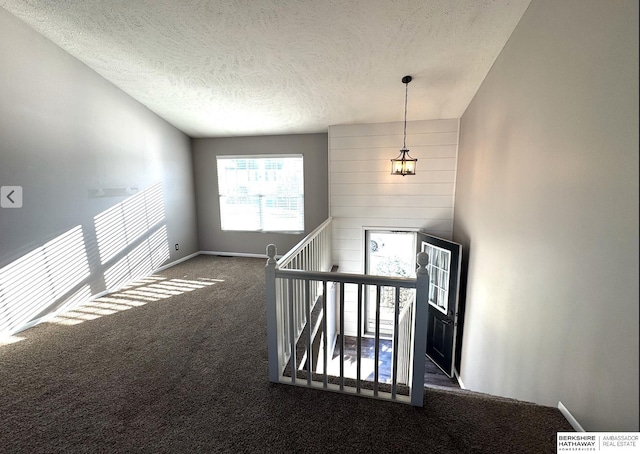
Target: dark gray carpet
x: 189, y: 374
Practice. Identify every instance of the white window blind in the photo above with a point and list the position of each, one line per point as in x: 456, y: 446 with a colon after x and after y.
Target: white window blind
x: 261, y: 193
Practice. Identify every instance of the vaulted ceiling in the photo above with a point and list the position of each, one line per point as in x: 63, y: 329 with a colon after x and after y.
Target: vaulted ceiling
x: 250, y: 67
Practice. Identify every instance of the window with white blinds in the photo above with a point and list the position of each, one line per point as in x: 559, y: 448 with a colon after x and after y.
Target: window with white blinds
x: 261, y: 193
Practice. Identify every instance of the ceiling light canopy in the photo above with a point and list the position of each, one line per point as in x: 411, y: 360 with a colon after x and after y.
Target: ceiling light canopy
x: 404, y: 164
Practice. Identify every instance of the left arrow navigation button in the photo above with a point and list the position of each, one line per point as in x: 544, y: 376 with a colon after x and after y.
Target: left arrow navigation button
x: 11, y: 196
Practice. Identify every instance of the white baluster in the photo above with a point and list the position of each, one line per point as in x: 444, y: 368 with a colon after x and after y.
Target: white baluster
x: 292, y: 331
x: 342, y: 336
x: 325, y: 347
x: 309, y: 330
x: 377, y: 343
x: 394, y: 361
x: 359, y: 340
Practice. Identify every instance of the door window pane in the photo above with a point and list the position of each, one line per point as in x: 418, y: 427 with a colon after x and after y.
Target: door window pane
x: 439, y: 268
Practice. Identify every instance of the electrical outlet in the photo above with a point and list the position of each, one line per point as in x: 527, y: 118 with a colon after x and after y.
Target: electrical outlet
x: 177, y: 246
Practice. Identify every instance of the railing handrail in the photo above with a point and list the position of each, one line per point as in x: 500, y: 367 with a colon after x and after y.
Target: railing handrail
x: 348, y: 278
x: 285, y: 259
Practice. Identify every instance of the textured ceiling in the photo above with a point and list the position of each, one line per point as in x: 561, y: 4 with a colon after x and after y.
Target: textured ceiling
x: 248, y: 67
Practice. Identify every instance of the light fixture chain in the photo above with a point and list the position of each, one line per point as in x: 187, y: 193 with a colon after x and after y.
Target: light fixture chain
x: 404, y: 140
x: 404, y: 164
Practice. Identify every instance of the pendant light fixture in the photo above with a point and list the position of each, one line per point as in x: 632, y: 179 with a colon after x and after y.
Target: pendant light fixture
x: 404, y: 164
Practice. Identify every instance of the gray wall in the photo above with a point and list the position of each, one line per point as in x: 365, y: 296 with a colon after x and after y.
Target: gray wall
x: 547, y: 210
x: 314, y: 148
x: 65, y: 131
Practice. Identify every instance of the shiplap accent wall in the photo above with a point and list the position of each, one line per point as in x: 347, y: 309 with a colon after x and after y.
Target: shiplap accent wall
x: 363, y: 193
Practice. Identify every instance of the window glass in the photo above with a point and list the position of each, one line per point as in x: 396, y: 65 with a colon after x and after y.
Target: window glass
x: 261, y: 193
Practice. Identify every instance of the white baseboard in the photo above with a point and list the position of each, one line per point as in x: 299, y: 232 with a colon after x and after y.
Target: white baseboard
x: 462, y: 386
x: 183, y: 259
x: 569, y: 417
x: 235, y: 254
x: 27, y: 325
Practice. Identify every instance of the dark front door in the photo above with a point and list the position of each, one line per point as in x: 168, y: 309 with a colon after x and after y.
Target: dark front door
x: 444, y: 274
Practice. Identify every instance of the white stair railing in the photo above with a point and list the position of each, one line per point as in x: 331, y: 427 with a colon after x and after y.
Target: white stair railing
x: 312, y: 253
x: 291, y: 294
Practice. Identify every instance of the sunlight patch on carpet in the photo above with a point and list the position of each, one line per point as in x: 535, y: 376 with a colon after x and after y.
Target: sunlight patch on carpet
x: 6, y: 340
x: 139, y: 293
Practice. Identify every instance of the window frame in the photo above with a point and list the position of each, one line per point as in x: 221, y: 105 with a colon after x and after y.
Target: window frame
x: 261, y: 194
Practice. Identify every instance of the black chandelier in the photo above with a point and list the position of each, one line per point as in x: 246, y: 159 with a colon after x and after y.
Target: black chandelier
x: 404, y: 164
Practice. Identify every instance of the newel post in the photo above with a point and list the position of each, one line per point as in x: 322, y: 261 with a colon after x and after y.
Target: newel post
x: 420, y: 330
x: 272, y: 313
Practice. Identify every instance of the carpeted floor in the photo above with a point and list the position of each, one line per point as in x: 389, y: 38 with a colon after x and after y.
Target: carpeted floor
x: 184, y: 369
